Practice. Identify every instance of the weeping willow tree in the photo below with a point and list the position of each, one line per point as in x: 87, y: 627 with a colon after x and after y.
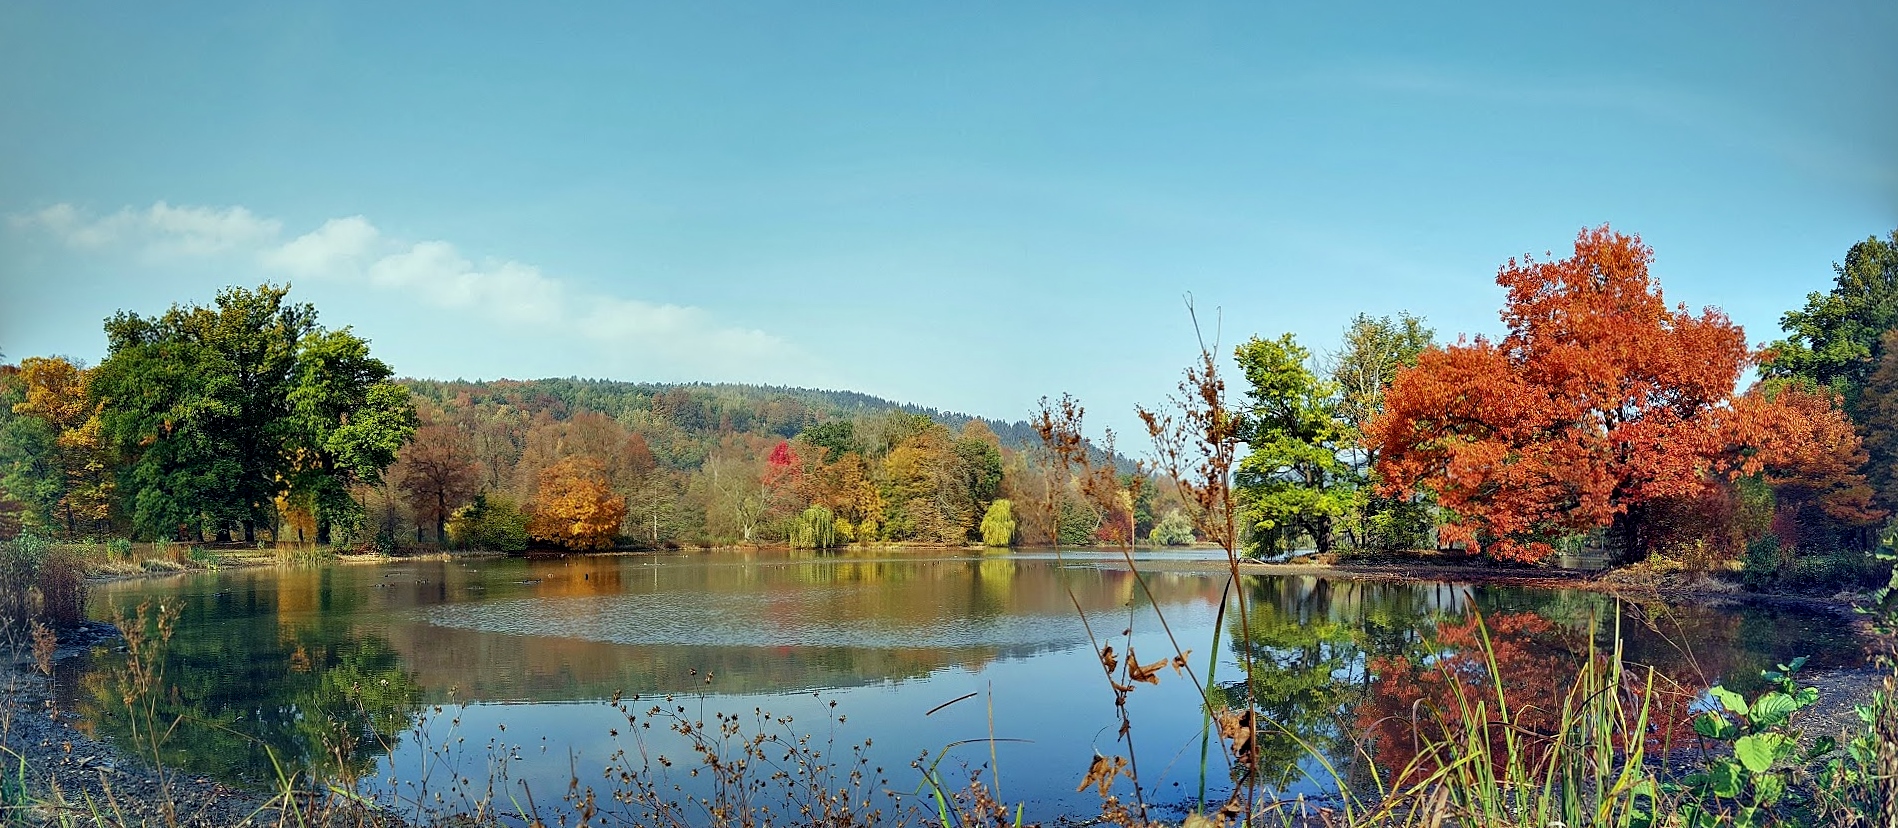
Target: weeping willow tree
x: 998, y: 526
x: 815, y: 529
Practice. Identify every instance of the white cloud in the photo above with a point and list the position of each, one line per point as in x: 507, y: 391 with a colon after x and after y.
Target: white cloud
x: 515, y: 298
x: 338, y: 244
x: 160, y: 230
x: 510, y: 291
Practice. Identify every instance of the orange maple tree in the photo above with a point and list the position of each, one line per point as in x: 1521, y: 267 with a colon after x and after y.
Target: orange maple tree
x: 575, y: 508
x: 1801, y: 443
x: 1598, y: 404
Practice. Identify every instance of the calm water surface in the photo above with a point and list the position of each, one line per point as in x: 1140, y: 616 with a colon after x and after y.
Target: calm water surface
x: 523, y: 654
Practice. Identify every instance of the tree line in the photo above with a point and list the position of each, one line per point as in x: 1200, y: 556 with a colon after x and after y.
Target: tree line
x: 1602, y: 416
x: 245, y: 420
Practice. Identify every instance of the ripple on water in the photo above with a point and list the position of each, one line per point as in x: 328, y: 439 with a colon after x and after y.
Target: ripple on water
x: 800, y: 620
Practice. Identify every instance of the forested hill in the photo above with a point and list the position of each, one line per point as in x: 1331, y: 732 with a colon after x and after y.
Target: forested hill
x: 701, y: 409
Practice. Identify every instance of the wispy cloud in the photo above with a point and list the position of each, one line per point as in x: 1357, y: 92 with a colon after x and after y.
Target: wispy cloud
x: 160, y: 230
x: 676, y: 340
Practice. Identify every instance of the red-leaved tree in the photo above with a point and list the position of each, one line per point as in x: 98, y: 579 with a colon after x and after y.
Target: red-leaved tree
x: 1600, y: 404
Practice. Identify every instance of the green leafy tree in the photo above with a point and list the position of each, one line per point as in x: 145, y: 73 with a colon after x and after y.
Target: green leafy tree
x: 1375, y: 349
x: 1176, y: 529
x: 30, y: 482
x: 219, y: 411
x: 1833, y: 341
x: 348, y: 423
x: 998, y: 525
x: 1295, y: 476
x: 1878, y: 424
x: 835, y: 437
x: 492, y: 522
x: 198, y: 401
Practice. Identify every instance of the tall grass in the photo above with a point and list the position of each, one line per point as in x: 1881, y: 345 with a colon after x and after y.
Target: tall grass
x: 1494, y: 763
x: 39, y: 581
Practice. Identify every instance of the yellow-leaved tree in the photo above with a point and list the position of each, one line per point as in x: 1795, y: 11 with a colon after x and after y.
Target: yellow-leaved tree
x: 575, y: 508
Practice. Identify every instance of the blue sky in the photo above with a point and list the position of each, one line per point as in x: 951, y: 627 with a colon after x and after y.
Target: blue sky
x: 962, y: 205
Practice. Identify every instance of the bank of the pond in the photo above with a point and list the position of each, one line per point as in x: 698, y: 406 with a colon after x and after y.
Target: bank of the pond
x: 71, y: 778
x: 1634, y: 583
x: 1638, y: 584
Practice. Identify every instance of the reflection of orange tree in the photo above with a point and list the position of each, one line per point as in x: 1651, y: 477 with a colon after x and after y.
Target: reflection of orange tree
x: 1535, y: 662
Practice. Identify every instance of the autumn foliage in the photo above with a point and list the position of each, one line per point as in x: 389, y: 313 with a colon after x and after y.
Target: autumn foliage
x: 575, y: 508
x: 1598, y: 405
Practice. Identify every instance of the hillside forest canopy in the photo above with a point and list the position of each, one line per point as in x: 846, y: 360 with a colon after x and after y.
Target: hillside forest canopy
x: 1602, y: 417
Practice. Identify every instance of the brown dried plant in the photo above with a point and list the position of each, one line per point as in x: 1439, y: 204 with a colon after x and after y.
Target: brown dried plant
x: 1196, y: 438
x: 45, y: 644
x: 1060, y: 427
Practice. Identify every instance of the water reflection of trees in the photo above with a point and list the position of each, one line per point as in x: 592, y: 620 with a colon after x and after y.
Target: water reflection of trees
x: 1338, y: 664
x: 318, y: 696
x: 988, y: 607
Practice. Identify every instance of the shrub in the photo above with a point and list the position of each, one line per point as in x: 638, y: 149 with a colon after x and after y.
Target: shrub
x: 491, y: 522
x: 1764, y: 557
x: 62, y: 587
x: 1176, y: 529
x: 20, y: 561
x: 1769, y: 565
x: 1399, y: 525
x: 40, y: 582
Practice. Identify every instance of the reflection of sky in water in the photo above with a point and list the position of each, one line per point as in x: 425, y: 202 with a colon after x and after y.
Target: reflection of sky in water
x: 894, y: 636
x: 784, y: 620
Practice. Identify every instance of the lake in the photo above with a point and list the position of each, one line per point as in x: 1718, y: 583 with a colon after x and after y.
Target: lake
x: 411, y: 676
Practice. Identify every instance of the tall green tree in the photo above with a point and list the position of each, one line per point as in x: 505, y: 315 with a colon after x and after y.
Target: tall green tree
x: 978, y: 481
x: 198, y: 401
x: 219, y: 410
x: 1375, y: 349
x: 835, y: 437
x: 1878, y: 424
x: 81, y: 462
x: 1296, y: 475
x: 30, y: 482
x: 1833, y: 341
x: 346, y: 425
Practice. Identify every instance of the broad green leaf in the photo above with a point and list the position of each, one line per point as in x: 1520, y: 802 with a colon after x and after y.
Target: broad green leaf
x: 1730, y: 700
x: 1714, y: 726
x: 1820, y: 747
x: 1773, y: 708
x: 1768, y: 788
x: 1723, y: 779
x: 1758, y: 751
